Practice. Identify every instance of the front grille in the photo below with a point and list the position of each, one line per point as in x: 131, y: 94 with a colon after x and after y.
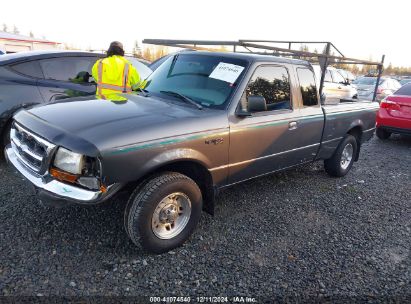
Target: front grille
x: 33, y: 151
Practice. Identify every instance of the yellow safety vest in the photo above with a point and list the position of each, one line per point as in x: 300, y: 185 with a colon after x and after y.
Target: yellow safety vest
x: 114, y: 75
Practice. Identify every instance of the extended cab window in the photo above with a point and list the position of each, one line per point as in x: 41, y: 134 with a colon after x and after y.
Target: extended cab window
x: 272, y: 83
x: 307, y: 87
x: 73, y: 69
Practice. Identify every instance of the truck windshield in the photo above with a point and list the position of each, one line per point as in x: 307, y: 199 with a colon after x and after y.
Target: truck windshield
x: 208, y: 80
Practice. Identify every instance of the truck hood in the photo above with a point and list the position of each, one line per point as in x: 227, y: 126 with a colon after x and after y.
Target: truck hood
x: 91, y: 126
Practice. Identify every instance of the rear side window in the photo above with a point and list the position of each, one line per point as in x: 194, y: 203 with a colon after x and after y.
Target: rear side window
x: 271, y: 82
x: 405, y: 90
x: 31, y: 68
x: 307, y: 87
x: 68, y: 68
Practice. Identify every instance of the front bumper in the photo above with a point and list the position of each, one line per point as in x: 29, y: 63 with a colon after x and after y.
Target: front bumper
x: 51, y: 191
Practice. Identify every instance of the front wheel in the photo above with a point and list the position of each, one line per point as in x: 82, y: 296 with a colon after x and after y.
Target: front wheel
x: 162, y: 214
x: 342, y: 160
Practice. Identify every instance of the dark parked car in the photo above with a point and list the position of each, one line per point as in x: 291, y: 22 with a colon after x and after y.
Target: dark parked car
x: 31, y: 78
x: 205, y: 121
x: 405, y: 81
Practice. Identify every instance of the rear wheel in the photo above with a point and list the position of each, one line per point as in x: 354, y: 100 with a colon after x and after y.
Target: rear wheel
x: 162, y: 214
x: 382, y: 134
x: 342, y: 160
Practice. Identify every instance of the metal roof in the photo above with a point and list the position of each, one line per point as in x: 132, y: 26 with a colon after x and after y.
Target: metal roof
x: 17, y: 37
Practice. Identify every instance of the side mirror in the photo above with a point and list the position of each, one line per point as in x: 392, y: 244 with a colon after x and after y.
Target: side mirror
x: 82, y: 77
x: 256, y: 104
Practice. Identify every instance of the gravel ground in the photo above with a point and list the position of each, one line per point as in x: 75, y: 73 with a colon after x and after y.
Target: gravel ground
x: 291, y: 234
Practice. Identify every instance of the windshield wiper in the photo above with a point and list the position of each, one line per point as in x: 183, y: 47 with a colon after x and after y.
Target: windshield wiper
x: 183, y: 97
x: 143, y: 92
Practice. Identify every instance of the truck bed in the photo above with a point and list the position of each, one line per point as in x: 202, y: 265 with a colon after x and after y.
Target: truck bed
x: 341, y: 117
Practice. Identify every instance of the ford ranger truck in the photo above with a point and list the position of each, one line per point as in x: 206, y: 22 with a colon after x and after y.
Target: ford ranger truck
x: 203, y: 122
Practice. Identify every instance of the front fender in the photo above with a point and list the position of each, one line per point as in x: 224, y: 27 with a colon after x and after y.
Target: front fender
x: 131, y: 163
x: 176, y: 155
x: 130, y: 167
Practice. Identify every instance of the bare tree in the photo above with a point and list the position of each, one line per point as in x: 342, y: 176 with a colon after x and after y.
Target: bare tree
x: 31, y: 34
x: 15, y: 30
x: 5, y: 28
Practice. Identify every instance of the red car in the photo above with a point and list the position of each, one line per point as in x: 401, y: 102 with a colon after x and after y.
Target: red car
x: 394, y: 115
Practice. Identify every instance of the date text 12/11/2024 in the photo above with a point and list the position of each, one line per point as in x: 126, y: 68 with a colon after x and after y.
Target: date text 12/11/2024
x: 203, y: 299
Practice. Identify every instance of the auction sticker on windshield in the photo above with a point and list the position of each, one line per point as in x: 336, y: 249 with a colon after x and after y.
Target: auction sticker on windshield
x: 226, y: 72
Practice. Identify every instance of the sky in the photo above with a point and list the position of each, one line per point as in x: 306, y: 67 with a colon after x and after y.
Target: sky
x: 360, y: 29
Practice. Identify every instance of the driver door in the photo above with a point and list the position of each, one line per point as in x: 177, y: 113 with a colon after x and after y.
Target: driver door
x: 267, y: 140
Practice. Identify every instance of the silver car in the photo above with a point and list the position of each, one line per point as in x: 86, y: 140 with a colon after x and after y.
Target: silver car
x: 366, y: 87
x: 347, y: 75
x: 336, y: 87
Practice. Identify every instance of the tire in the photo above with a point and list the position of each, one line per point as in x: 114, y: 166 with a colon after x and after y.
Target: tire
x: 5, y: 139
x: 342, y: 160
x: 382, y: 134
x: 163, y: 212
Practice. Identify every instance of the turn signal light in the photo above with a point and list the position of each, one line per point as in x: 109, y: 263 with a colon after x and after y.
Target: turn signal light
x: 63, y: 176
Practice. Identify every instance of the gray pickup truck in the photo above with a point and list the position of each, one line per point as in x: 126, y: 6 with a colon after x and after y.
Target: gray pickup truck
x: 204, y: 121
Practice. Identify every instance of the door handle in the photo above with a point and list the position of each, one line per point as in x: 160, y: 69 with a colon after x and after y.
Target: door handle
x: 292, y: 125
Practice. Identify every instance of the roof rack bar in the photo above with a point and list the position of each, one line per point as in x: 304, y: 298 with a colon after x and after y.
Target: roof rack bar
x: 247, y: 44
x: 323, y: 59
x: 292, y: 42
x: 196, y: 42
x: 310, y: 54
x: 324, y: 68
x: 378, y: 78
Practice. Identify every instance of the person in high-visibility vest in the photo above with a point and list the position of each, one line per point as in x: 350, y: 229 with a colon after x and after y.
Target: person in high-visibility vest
x: 115, y: 74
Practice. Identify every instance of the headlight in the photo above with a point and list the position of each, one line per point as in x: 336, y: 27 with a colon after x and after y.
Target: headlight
x: 69, y: 161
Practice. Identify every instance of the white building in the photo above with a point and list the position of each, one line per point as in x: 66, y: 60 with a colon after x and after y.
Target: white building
x: 12, y: 43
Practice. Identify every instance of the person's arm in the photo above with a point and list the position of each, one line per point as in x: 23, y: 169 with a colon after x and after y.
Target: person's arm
x: 94, y: 71
x: 134, y: 78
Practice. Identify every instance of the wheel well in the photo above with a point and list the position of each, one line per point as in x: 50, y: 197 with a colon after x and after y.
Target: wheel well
x: 357, y: 133
x: 3, y: 130
x: 197, y: 173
